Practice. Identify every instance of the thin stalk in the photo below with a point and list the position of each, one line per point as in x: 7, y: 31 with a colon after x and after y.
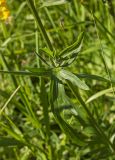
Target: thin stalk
x: 4, y: 29
x: 9, y: 99
x: 59, y: 34
x: 37, y: 47
x: 43, y: 93
x: 39, y: 23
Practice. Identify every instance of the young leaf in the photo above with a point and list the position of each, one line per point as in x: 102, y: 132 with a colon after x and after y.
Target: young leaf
x: 72, y: 50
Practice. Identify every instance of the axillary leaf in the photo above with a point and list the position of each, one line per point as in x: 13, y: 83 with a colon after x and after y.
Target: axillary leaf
x: 47, y: 51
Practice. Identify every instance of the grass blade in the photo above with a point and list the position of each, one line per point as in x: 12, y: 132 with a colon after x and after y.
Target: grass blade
x: 10, y: 98
x: 27, y: 73
x: 99, y: 94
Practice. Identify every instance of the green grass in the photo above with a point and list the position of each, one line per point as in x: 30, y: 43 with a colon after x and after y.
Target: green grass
x: 57, y: 94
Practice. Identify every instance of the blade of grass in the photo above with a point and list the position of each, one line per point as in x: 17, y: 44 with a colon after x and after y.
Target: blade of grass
x: 27, y: 73
x: 94, y: 77
x: 10, y: 98
x: 99, y: 94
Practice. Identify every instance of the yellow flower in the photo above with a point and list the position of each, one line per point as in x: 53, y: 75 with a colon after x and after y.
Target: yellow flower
x: 2, y: 2
x: 4, y: 12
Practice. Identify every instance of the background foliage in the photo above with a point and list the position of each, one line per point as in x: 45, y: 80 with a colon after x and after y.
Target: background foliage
x: 49, y: 113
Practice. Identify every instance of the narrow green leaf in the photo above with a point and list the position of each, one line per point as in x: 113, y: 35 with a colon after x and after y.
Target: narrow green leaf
x: 27, y: 73
x: 75, y: 136
x: 9, y: 99
x: 67, y: 62
x: 6, y: 95
x: 14, y: 128
x: 39, y: 23
x: 11, y: 132
x: 99, y: 94
x: 42, y: 59
x: 49, y: 3
x: 47, y: 51
x: 72, y: 50
x: 94, y: 77
x: 42, y: 71
x: 73, y: 79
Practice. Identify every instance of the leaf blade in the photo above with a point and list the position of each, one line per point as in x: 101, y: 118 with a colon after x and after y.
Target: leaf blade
x: 72, y: 50
x: 73, y: 79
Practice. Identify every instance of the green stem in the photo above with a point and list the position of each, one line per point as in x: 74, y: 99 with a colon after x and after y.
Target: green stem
x: 43, y: 93
x: 4, y: 30
x: 39, y: 23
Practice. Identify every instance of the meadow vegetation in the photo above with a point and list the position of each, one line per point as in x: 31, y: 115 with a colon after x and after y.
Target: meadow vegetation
x: 57, y: 77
